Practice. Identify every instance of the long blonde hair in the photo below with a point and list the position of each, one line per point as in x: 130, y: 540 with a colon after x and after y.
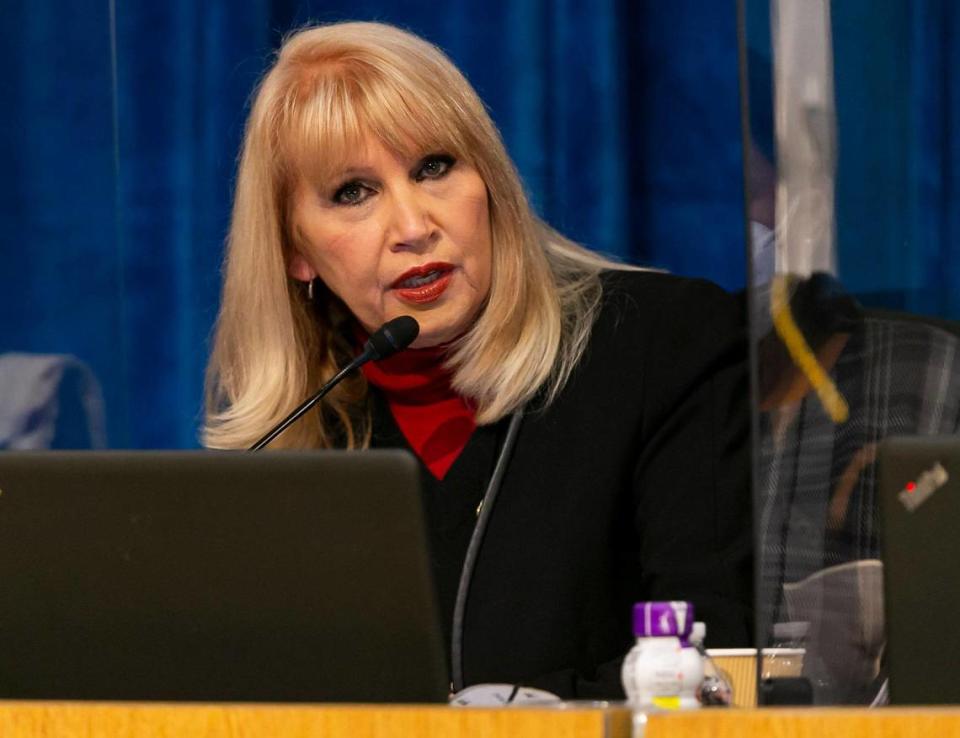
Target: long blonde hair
x: 329, y: 87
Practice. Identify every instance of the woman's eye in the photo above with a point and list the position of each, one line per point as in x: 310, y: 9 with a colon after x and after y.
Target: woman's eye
x: 435, y: 167
x: 352, y: 193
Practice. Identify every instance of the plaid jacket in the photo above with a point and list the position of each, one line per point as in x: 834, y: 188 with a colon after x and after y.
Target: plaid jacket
x: 817, y: 496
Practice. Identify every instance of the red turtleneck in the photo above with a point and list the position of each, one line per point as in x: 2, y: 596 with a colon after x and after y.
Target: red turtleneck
x: 435, y: 420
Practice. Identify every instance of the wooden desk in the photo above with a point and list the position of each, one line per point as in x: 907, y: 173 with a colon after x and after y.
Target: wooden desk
x: 885, y: 722
x: 118, y: 720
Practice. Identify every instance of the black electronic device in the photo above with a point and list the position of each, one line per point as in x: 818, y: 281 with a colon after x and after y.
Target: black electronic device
x: 216, y: 576
x: 920, y: 507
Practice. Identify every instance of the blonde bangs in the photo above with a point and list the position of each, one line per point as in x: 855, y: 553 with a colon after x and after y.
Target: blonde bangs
x: 338, y: 103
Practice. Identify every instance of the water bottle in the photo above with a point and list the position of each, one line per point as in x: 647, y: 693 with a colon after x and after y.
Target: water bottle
x: 663, y: 670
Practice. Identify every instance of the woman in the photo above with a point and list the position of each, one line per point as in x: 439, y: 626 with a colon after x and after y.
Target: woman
x: 373, y: 184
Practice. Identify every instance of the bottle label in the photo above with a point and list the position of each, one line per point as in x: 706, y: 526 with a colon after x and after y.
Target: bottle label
x: 667, y: 703
x: 652, y: 673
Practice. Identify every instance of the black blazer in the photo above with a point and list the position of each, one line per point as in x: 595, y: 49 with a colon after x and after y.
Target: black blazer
x: 632, y: 485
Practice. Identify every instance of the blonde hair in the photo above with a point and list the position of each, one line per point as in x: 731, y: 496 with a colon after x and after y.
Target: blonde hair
x: 329, y: 87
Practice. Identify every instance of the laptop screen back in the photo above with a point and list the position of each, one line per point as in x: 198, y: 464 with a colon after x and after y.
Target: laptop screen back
x: 285, y: 576
x: 920, y: 504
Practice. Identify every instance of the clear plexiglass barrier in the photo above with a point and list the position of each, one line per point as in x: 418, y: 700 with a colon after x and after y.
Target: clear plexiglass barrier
x: 853, y: 215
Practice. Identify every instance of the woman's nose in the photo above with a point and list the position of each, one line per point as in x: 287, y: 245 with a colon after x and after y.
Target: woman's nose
x: 412, y: 224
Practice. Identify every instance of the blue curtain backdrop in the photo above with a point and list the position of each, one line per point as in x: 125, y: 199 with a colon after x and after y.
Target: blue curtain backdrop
x: 622, y: 116
x: 897, y: 68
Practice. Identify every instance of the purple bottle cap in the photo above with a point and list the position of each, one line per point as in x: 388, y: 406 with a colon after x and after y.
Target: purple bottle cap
x: 663, y: 619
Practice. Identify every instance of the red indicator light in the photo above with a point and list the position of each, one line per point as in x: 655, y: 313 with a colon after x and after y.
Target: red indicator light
x: 911, y: 486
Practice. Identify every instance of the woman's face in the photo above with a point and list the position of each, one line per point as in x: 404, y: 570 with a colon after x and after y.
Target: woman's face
x: 394, y: 236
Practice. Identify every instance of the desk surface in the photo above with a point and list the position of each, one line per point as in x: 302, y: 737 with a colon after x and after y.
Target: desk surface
x: 131, y: 720
x: 120, y: 720
x: 811, y: 722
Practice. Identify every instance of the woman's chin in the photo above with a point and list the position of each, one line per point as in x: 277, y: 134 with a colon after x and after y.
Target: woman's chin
x: 428, y: 341
x: 432, y: 336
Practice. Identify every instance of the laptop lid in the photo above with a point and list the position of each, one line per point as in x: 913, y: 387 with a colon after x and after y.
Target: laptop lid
x: 284, y: 576
x: 920, y: 508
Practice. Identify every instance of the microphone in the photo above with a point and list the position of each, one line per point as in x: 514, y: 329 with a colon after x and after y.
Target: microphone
x: 393, y: 336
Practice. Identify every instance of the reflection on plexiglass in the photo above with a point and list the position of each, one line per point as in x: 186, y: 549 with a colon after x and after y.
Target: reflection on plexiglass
x: 834, y: 378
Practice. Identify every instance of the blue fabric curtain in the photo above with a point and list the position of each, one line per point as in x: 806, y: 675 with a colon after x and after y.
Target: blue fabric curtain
x: 897, y: 69
x: 122, y: 123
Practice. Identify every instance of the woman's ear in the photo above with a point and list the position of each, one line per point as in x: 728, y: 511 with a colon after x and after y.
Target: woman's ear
x: 300, y: 269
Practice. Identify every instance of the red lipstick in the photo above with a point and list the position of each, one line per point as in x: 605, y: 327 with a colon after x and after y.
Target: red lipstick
x: 424, y: 283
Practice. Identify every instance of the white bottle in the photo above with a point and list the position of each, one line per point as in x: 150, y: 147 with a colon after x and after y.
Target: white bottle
x: 692, y: 671
x: 715, y: 689
x: 662, y: 671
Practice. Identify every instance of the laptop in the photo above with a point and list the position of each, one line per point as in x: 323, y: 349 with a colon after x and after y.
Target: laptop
x: 216, y: 576
x: 920, y: 509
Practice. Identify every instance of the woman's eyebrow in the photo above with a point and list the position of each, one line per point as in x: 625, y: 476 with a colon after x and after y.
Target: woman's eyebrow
x: 353, y: 171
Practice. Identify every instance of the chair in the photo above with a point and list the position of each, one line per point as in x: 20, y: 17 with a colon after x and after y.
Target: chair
x: 49, y: 401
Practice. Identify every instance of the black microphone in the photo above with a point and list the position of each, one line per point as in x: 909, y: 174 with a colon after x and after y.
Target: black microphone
x: 393, y: 336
